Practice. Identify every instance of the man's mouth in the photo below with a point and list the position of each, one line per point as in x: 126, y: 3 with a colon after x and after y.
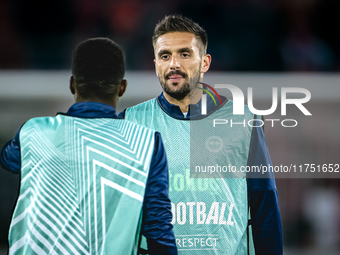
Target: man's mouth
x: 175, y: 78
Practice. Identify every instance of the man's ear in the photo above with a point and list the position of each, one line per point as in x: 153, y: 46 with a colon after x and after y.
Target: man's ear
x: 206, y: 61
x: 73, y: 91
x: 122, y: 88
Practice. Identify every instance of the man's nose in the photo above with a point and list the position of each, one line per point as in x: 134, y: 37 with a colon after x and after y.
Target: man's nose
x: 174, y: 64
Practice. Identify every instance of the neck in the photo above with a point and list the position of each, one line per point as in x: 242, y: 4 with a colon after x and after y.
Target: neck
x: 112, y: 102
x: 193, y: 98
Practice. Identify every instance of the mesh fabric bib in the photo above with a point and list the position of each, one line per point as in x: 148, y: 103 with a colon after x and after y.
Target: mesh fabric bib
x: 210, y: 215
x: 82, y: 186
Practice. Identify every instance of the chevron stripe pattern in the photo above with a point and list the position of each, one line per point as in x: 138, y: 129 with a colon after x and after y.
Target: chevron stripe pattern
x: 82, y: 186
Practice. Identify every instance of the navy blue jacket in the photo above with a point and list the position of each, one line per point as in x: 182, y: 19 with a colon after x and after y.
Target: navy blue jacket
x: 262, y: 193
x: 156, y: 226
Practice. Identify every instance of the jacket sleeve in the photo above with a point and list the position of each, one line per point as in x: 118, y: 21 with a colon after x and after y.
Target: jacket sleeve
x: 10, y: 155
x: 263, y: 199
x: 157, y: 216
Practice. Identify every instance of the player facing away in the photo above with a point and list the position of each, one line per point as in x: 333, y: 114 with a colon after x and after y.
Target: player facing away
x: 91, y: 183
x: 210, y: 215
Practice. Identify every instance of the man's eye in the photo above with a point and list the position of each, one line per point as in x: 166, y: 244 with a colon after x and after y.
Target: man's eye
x: 165, y: 57
x: 185, y: 55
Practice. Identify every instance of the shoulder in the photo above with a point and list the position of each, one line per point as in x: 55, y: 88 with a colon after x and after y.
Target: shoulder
x: 141, y: 113
x: 38, y: 121
x: 142, y: 106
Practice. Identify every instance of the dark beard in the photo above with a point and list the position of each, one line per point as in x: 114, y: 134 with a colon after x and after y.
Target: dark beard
x: 186, y: 87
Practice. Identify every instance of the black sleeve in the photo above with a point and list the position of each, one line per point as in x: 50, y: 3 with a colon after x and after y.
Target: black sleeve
x: 10, y: 158
x: 157, y: 216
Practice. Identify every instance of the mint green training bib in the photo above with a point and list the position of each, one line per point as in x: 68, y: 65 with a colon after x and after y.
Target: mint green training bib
x: 82, y: 186
x: 210, y: 215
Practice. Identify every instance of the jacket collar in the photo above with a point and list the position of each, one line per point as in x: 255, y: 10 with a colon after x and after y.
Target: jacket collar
x: 91, y: 110
x: 194, y: 110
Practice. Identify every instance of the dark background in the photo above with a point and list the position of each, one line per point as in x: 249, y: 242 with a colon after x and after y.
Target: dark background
x: 244, y: 35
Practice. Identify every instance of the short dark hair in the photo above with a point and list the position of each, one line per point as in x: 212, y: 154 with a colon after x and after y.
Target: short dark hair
x: 98, y: 68
x: 178, y: 23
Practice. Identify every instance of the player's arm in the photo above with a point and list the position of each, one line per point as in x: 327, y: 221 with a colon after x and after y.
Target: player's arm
x: 263, y: 200
x: 157, y: 216
x: 10, y: 155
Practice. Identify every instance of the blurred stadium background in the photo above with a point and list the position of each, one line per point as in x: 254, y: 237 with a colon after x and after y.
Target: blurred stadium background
x: 253, y: 43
